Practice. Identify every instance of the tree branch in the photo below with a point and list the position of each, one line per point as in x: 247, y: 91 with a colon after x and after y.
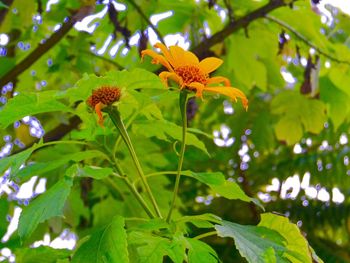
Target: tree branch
x: 305, y: 40
x: 41, y: 49
x: 236, y: 25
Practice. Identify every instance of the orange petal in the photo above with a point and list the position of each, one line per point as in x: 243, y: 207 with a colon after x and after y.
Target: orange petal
x: 199, y: 87
x: 190, y: 58
x: 231, y: 92
x: 219, y: 79
x: 178, y: 55
x: 166, y: 52
x: 98, y: 111
x: 165, y: 75
x: 157, y: 59
x: 208, y: 65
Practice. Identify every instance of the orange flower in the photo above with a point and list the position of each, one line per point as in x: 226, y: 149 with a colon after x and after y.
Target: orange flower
x: 102, y: 97
x: 185, y: 69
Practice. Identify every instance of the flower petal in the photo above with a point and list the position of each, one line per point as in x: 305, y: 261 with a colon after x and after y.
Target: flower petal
x: 98, y: 111
x: 178, y: 55
x: 165, y: 75
x: 157, y: 59
x: 231, y: 92
x: 199, y: 87
x: 190, y: 58
x: 210, y: 64
x: 166, y: 52
x: 219, y: 79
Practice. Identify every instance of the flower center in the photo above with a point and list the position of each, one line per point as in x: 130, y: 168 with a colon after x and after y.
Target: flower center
x: 191, y: 74
x: 105, y: 95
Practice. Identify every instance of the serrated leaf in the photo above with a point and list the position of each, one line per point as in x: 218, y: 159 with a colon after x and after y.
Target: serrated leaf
x: 295, y: 242
x: 200, y: 252
x: 254, y: 242
x: 46, y: 206
x: 164, y: 130
x: 106, y: 245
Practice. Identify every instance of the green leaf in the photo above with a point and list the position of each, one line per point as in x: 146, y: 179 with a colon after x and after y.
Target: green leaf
x: 152, y: 249
x: 4, y: 207
x: 201, y: 221
x: 162, y: 130
x: 95, y: 172
x: 200, y: 252
x: 42, y: 254
x: 15, y: 161
x: 26, y: 104
x: 40, y: 168
x: 294, y: 240
x: 337, y: 101
x: 108, y: 244
x: 297, y: 114
x: 2, y: 5
x: 46, y: 206
x: 254, y: 242
x: 217, y: 182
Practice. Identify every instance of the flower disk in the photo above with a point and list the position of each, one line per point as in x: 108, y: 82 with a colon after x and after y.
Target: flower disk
x: 104, y: 95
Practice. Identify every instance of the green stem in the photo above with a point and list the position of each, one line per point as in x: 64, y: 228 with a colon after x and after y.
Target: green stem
x: 208, y: 234
x: 183, y: 109
x: 132, y: 188
x: 116, y: 119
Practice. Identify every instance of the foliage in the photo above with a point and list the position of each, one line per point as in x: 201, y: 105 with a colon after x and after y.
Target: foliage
x: 151, y: 183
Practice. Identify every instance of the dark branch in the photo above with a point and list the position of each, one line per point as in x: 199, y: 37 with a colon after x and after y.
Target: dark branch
x: 242, y: 22
x: 41, y: 49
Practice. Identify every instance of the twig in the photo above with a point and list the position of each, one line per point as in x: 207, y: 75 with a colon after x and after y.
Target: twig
x: 4, y: 11
x: 305, y: 40
x: 42, y: 48
x: 139, y: 10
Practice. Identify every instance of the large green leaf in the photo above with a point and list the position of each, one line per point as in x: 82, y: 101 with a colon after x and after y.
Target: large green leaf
x: 255, y: 242
x: 26, y: 104
x: 4, y: 207
x: 108, y: 244
x: 46, y: 206
x: 294, y: 240
x: 297, y: 114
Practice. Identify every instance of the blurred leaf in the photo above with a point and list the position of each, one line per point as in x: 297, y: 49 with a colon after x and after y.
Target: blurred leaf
x: 4, y: 209
x: 46, y: 206
x: 106, y: 245
x: 42, y: 254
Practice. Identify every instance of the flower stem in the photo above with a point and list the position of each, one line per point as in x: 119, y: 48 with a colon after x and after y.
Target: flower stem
x: 183, y: 110
x: 132, y: 188
x: 116, y: 119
